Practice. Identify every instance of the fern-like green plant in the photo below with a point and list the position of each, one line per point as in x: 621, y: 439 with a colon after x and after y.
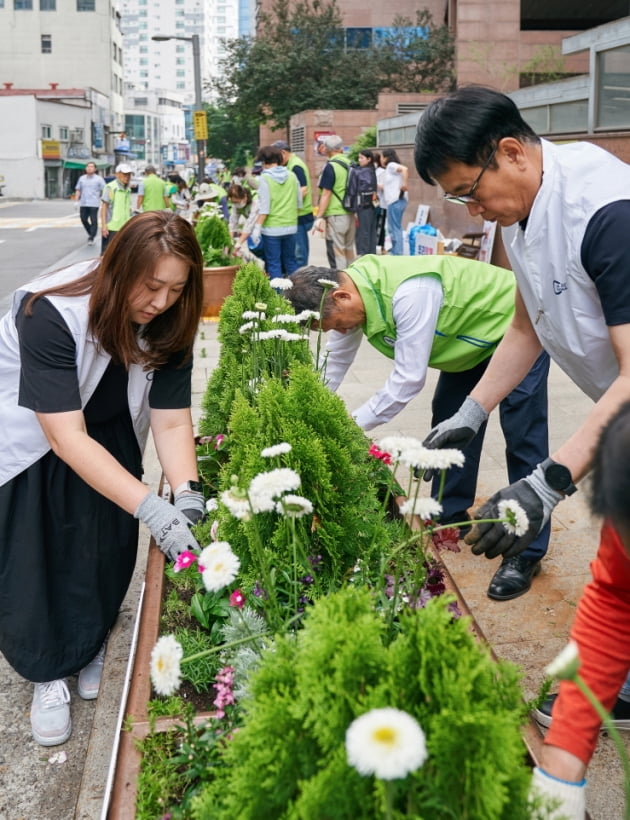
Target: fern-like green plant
x: 215, y: 240
x: 288, y: 759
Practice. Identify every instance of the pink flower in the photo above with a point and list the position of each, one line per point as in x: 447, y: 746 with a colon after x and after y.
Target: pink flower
x: 237, y: 599
x: 214, y: 530
x: 380, y: 454
x: 223, y: 686
x: 218, y: 441
x: 184, y: 560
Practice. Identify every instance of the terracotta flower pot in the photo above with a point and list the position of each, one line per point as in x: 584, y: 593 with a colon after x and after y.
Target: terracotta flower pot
x: 217, y: 285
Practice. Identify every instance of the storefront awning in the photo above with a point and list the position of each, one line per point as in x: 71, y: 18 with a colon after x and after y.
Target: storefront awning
x: 81, y: 163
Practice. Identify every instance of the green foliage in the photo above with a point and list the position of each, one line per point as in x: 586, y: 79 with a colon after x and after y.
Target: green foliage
x: 215, y: 240
x: 300, y: 60
x: 159, y: 783
x: 239, y: 359
x: 367, y: 139
x: 199, y: 673
x: 231, y: 136
x: 310, y: 687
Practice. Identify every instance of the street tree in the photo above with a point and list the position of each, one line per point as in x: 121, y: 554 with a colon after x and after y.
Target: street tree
x: 302, y: 59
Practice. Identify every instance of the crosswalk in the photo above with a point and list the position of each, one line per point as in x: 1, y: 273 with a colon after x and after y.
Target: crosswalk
x: 26, y: 223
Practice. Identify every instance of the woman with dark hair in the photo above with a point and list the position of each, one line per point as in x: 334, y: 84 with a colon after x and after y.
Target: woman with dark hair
x: 365, y: 182
x: 244, y: 210
x: 92, y: 357
x: 394, y: 197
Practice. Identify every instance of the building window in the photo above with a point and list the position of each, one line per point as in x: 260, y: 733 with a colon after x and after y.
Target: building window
x: 86, y: 5
x: 21, y: 5
x: 180, y: 49
x: 180, y: 61
x: 63, y: 133
x: 180, y: 73
x: 46, y: 132
x: 613, y: 82
x: 180, y: 85
x: 144, y: 61
x: 144, y: 49
x: 46, y: 40
x: 48, y: 5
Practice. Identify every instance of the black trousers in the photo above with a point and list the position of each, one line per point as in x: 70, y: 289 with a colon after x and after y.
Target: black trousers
x: 89, y: 220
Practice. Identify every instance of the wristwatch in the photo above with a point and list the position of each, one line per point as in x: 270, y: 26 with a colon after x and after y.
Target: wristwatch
x: 558, y: 477
x: 189, y: 486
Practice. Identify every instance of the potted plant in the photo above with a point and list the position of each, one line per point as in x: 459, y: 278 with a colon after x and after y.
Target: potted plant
x: 220, y: 264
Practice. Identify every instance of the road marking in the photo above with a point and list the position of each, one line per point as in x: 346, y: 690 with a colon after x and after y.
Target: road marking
x: 32, y: 223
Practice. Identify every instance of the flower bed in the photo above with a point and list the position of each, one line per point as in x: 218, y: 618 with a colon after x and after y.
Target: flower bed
x: 316, y: 608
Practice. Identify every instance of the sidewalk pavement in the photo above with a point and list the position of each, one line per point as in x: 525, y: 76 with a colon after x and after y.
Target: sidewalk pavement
x: 71, y: 781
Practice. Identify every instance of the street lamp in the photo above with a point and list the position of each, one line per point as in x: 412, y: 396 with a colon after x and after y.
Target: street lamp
x: 194, y: 39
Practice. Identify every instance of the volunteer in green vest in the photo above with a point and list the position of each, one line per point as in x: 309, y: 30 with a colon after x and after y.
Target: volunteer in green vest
x: 279, y: 199
x: 152, y: 195
x: 115, y: 204
x: 449, y: 313
x: 332, y: 217
x: 305, y: 214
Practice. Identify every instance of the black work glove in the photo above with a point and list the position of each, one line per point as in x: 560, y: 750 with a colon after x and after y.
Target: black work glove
x: 537, y: 500
x: 457, y: 431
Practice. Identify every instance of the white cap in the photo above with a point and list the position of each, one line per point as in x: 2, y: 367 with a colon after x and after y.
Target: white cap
x: 123, y: 168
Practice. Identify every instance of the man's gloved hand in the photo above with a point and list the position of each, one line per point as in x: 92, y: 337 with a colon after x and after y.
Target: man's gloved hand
x: 457, y: 431
x: 255, y: 234
x: 536, y: 498
x: 191, y: 503
x: 567, y: 797
x: 168, y: 525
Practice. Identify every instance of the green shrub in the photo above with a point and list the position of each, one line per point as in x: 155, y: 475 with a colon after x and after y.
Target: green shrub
x: 288, y: 759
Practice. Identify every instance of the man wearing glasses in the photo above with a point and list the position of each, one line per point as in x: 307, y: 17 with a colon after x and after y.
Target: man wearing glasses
x: 564, y: 211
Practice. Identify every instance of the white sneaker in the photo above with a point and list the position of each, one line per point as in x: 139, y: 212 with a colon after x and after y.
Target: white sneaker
x: 50, y: 713
x: 90, y: 676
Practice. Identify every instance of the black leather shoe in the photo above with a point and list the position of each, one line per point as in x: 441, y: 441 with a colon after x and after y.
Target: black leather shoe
x: 513, y: 578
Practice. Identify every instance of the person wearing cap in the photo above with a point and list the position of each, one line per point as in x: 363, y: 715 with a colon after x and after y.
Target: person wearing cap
x: 152, y: 194
x: 115, y: 204
x: 332, y: 217
x: 211, y: 192
x: 305, y: 213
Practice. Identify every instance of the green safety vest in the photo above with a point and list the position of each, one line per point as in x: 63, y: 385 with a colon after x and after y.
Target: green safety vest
x: 284, y: 210
x: 120, y: 204
x: 477, y: 307
x: 307, y: 200
x: 154, y: 188
x: 341, y: 169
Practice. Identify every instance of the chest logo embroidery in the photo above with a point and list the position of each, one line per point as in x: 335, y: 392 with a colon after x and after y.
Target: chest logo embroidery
x: 558, y: 287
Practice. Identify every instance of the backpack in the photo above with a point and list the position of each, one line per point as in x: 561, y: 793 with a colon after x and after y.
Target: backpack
x: 348, y: 201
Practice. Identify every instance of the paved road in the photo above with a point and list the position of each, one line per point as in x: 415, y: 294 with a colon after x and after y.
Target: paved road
x: 37, y: 236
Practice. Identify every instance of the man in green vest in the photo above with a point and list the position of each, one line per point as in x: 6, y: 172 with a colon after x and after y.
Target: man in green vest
x: 449, y: 313
x: 332, y: 217
x: 305, y: 213
x: 152, y: 195
x: 115, y: 204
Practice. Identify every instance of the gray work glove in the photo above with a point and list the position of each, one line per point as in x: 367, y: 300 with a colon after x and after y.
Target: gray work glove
x: 192, y: 504
x: 457, y: 431
x: 168, y: 526
x: 255, y: 234
x: 536, y: 498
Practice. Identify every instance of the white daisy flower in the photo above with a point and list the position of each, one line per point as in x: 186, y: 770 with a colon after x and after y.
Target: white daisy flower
x: 252, y: 314
x: 303, y: 315
x: 271, y: 334
x: 424, y: 508
x: 387, y: 743
x: 517, y: 521
x: 282, y: 318
x: 275, y: 482
x: 212, y: 504
x: 166, y: 674
x: 261, y: 502
x: 565, y: 665
x: 294, y: 506
x: 260, y: 305
x: 236, y: 504
x: 290, y: 337
x: 395, y: 445
x: 247, y: 326
x: 328, y: 283
x: 443, y: 459
x: 219, y: 566
x: 282, y: 284
x: 276, y: 450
